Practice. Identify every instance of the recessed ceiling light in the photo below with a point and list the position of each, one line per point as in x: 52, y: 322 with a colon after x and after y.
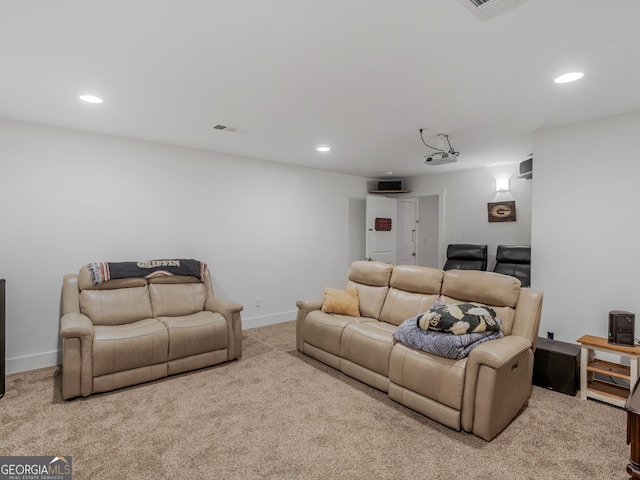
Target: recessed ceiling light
x: 569, y: 77
x: 323, y: 149
x: 90, y: 99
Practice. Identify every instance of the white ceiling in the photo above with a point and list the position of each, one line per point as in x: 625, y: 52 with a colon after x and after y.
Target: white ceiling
x: 360, y: 75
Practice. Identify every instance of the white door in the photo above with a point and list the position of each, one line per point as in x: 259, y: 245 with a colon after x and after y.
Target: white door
x: 381, y: 229
x: 407, y: 231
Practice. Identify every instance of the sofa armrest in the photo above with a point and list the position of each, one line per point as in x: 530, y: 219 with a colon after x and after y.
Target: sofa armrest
x: 304, y: 307
x: 76, y: 325
x: 230, y: 310
x: 497, y: 353
x: 497, y: 384
x: 310, y: 305
x: 223, y: 306
x: 77, y: 332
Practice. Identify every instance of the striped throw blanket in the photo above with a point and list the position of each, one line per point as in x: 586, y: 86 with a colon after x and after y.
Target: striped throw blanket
x: 104, y: 271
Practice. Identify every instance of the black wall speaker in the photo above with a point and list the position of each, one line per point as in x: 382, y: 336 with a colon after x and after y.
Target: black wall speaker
x: 390, y: 185
x: 621, y: 327
x: 556, y: 366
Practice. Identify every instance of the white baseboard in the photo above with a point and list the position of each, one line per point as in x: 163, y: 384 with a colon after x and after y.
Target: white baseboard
x: 50, y: 359
x: 265, y: 320
x: 33, y: 362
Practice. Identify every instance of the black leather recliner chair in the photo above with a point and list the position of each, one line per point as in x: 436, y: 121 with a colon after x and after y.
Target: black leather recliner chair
x: 465, y: 256
x: 514, y: 260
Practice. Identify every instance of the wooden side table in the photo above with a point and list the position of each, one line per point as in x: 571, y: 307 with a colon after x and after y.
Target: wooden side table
x: 608, y: 392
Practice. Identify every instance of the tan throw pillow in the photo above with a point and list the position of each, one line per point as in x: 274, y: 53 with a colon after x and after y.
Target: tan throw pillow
x: 344, y: 302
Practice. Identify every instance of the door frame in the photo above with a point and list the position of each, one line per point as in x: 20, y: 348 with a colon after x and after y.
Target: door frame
x: 416, y: 202
x: 441, y: 194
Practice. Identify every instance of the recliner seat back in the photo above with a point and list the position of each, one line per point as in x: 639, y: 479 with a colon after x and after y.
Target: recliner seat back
x: 514, y: 260
x: 466, y: 256
x: 372, y: 280
x: 122, y: 301
x: 412, y: 290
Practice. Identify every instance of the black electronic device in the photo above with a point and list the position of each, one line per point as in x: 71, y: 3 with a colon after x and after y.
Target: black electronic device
x: 390, y: 185
x: 621, y: 327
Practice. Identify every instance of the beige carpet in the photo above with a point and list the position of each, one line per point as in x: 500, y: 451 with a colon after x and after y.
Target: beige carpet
x: 278, y: 414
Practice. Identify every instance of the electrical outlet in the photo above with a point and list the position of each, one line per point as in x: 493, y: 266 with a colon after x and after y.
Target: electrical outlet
x: 258, y: 302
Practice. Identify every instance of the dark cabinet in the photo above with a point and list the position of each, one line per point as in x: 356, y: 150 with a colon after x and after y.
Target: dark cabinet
x: 633, y: 431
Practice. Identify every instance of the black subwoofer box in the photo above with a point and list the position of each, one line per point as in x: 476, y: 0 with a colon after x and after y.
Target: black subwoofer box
x: 556, y: 366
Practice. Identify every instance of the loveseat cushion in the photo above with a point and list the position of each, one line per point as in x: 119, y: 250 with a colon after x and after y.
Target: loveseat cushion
x: 116, y: 307
x: 194, y: 334
x: 125, y: 347
x: 174, y: 300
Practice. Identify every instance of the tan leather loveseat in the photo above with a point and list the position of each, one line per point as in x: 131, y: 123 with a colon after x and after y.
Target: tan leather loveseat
x: 132, y: 330
x: 480, y: 393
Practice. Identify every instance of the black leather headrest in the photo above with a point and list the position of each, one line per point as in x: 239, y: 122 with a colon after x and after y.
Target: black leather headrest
x: 466, y: 251
x: 513, y: 254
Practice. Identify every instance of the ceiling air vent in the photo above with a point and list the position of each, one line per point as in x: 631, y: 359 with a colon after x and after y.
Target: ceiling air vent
x: 229, y: 129
x: 488, y: 9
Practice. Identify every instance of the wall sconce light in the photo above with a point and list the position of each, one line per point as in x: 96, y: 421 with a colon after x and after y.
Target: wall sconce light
x: 502, y: 184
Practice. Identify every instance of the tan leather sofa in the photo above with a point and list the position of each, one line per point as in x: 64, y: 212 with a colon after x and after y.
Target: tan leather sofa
x: 480, y: 393
x: 133, y: 330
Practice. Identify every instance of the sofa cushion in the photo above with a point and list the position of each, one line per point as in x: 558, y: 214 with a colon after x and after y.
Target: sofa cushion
x: 116, y: 307
x: 344, y: 302
x: 375, y: 274
x: 417, y: 279
x: 500, y: 292
x: 175, y: 300
x: 194, y: 334
x: 437, y: 378
x: 371, y: 299
x: 460, y: 318
x: 324, y: 330
x: 485, y: 287
x: 369, y: 345
x: 400, y: 305
x: 372, y: 280
x: 125, y: 347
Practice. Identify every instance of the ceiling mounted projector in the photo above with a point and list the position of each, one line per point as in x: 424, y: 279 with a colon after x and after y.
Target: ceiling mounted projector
x: 440, y: 158
x: 442, y: 155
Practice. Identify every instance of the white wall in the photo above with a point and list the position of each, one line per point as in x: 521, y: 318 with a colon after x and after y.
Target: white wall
x: 267, y: 230
x: 465, y: 195
x: 585, y: 224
